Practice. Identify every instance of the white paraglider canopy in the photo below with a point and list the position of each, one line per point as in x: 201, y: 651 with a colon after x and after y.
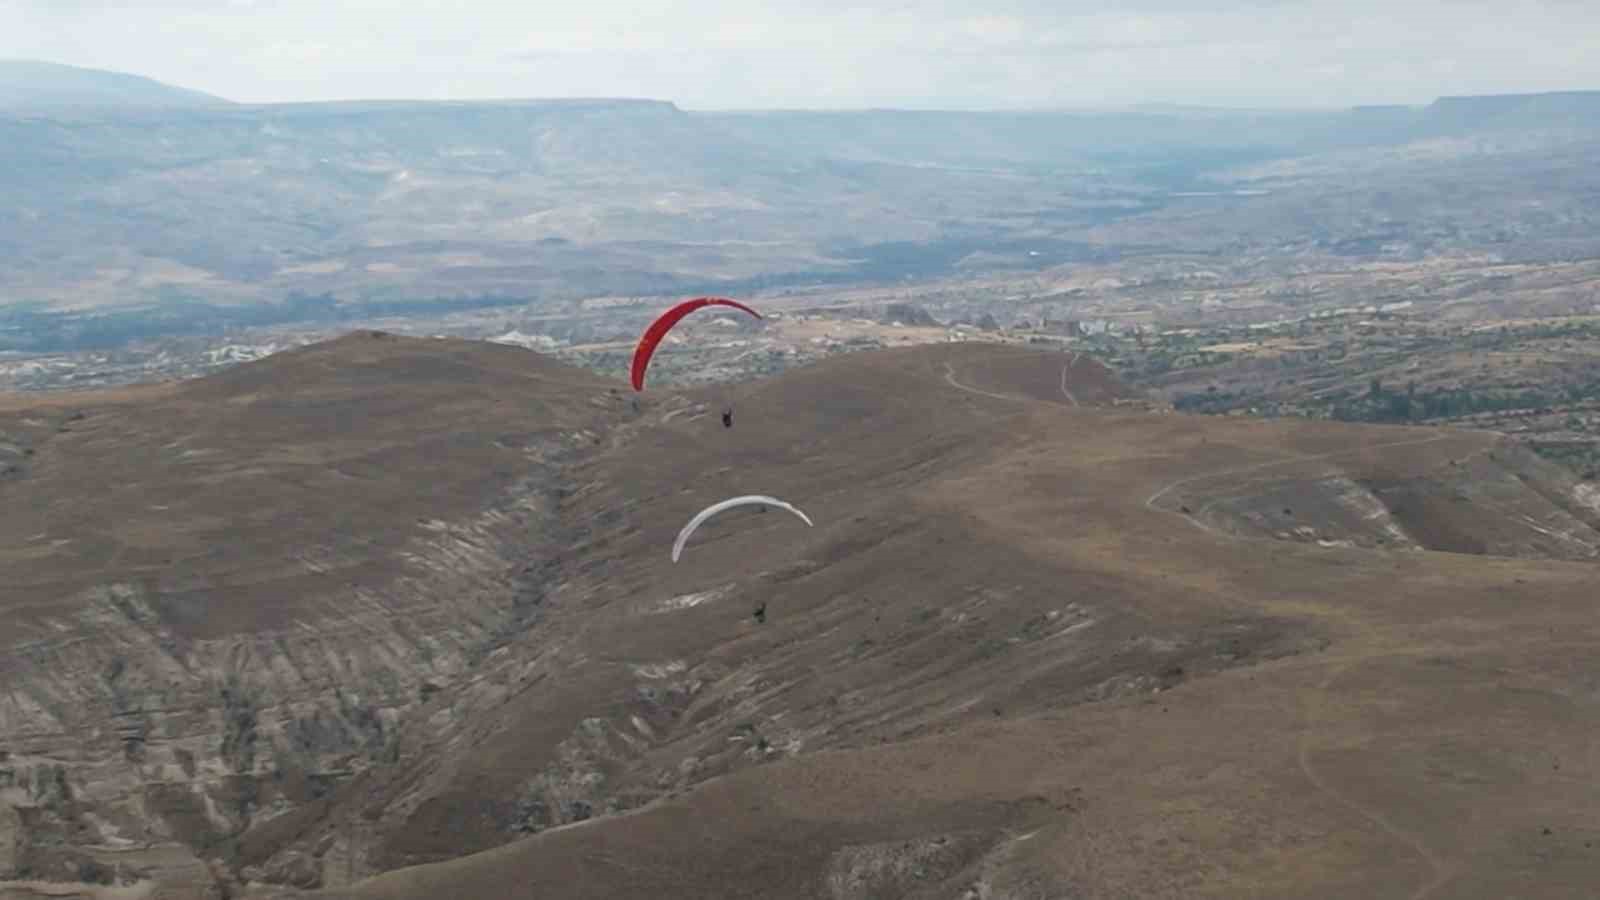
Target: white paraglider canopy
x: 713, y: 509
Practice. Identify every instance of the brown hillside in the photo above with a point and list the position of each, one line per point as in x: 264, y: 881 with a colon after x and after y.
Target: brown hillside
x: 1006, y: 663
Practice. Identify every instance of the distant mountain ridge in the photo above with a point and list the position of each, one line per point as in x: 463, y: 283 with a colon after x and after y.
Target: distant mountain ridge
x: 174, y: 208
x: 1519, y: 110
x: 37, y: 83
x: 1500, y: 101
x: 30, y: 84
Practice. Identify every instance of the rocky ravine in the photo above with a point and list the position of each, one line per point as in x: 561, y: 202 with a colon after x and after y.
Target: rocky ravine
x: 125, y: 743
x: 139, y: 746
x: 179, y: 728
x: 1004, y: 664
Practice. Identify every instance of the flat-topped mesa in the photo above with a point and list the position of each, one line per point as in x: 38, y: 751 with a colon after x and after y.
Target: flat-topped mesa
x: 1542, y: 110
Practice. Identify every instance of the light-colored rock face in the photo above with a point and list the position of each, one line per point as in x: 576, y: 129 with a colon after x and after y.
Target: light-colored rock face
x: 1588, y: 495
x: 1501, y: 502
x: 122, y: 736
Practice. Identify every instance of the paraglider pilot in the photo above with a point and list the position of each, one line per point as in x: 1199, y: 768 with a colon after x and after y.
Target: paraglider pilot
x: 727, y: 417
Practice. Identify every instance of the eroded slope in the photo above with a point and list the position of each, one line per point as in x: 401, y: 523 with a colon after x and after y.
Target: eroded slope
x: 1419, y: 489
x: 1004, y: 664
x: 220, y: 595
x: 1000, y: 668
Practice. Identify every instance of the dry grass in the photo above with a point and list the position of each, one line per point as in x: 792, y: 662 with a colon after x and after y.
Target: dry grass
x: 1004, y: 664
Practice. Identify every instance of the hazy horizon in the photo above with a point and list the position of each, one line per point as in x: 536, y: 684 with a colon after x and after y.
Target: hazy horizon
x: 828, y: 54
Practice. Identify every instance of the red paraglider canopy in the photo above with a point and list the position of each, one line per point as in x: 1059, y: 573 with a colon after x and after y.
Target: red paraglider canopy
x: 659, y: 328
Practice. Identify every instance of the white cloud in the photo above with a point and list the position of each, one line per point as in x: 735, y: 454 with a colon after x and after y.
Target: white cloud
x: 720, y: 53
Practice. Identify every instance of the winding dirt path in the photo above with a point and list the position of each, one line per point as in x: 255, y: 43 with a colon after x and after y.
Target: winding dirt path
x: 950, y: 377
x: 1070, y: 363
x: 1441, y: 872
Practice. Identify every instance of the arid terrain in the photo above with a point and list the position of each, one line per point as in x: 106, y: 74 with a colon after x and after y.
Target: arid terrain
x: 1417, y: 264
x: 1205, y: 500
x: 392, y: 617
x: 160, y: 214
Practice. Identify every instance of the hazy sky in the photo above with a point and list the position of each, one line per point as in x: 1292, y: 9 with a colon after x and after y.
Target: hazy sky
x: 828, y: 53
